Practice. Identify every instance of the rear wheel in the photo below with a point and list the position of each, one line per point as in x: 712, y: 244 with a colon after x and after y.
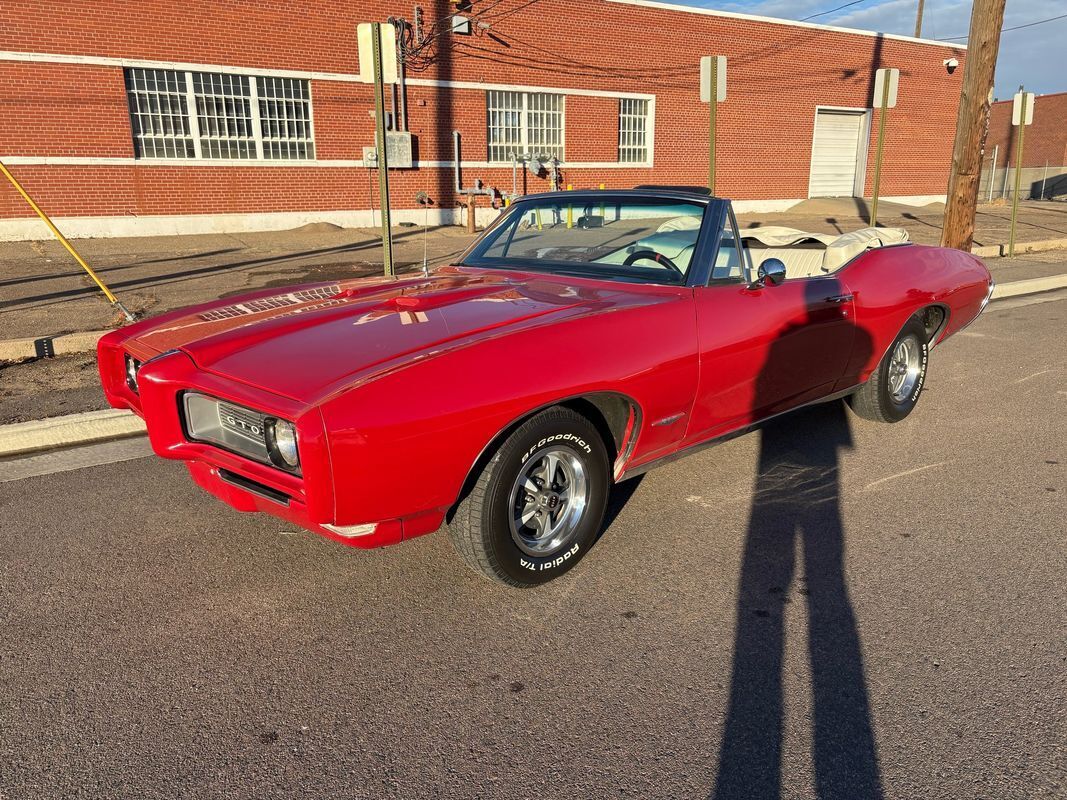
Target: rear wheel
x: 893, y: 389
x: 537, y: 505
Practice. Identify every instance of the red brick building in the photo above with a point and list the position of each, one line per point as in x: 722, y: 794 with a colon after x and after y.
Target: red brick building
x: 125, y: 119
x: 1044, y: 165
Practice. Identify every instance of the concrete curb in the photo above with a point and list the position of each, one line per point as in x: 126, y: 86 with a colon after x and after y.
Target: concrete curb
x: 1021, y: 248
x: 54, y: 432
x: 1029, y: 286
x: 13, y: 351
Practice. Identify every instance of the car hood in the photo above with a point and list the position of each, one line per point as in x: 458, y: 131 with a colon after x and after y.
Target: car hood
x: 305, y: 341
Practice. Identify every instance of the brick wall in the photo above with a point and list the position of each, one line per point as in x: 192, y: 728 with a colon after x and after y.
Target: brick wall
x: 1045, y: 139
x: 778, y: 74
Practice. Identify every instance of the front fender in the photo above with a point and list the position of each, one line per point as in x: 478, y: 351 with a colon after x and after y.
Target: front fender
x: 404, y: 443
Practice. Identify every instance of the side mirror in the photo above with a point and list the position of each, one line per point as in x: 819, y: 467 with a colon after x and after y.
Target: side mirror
x: 771, y: 272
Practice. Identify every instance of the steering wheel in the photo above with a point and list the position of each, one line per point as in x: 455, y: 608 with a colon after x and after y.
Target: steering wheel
x: 652, y: 255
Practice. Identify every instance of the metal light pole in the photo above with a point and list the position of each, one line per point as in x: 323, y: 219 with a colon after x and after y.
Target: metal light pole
x: 380, y: 146
x: 712, y: 104
x: 712, y: 92
x: 885, y: 94
x: 1019, y: 118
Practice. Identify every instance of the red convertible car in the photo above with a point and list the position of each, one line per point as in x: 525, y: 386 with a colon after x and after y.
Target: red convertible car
x: 584, y: 338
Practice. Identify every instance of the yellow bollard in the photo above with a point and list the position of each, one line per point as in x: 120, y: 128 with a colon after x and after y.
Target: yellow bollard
x: 63, y: 240
x: 602, y: 212
x: 570, y: 209
x: 537, y: 213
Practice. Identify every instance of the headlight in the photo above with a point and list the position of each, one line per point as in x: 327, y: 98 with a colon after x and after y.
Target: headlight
x: 281, y: 443
x: 132, y: 365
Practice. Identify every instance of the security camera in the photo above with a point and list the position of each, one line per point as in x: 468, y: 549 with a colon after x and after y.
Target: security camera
x: 951, y: 64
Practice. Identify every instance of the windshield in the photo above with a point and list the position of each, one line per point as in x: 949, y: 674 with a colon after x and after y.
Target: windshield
x: 615, y: 237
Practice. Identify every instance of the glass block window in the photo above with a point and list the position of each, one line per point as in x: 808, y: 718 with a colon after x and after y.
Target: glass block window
x: 224, y: 115
x: 505, y: 134
x: 158, y: 114
x: 544, y: 124
x: 216, y: 115
x: 285, y: 118
x: 633, y: 130
x: 524, y: 122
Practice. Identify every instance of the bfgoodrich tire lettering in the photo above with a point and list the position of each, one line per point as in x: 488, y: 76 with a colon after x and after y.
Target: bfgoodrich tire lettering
x: 893, y: 389
x: 537, y: 506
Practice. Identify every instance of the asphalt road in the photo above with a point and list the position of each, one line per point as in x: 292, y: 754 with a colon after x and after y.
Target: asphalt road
x: 829, y: 608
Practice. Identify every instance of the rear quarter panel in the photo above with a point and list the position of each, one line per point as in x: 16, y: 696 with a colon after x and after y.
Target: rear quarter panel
x: 891, y: 284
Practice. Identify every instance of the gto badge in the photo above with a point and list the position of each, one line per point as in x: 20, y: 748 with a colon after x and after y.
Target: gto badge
x: 241, y: 425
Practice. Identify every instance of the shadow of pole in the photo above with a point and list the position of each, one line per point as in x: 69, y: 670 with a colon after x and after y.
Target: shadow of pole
x: 796, y: 506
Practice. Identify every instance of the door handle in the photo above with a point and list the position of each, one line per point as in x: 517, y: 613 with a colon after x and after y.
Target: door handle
x: 839, y: 298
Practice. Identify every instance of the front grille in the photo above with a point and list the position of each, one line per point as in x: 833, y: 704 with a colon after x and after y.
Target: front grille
x: 229, y: 426
x: 242, y: 421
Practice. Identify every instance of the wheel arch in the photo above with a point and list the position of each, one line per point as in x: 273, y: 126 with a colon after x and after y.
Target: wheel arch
x: 616, y: 416
x: 934, y: 317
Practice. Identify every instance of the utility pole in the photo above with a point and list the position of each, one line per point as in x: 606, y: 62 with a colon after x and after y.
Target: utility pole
x: 919, y: 21
x: 983, y: 41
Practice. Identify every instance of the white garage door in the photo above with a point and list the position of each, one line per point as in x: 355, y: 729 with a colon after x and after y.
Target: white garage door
x: 835, y: 153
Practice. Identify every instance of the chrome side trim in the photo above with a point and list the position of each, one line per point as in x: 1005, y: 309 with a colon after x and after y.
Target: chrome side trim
x: 668, y: 420
x: 698, y: 447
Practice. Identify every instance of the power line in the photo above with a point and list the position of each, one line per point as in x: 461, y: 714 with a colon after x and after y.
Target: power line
x: 1005, y: 30
x: 832, y: 10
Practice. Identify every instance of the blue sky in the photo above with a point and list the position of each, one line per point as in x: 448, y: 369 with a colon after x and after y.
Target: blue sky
x: 1035, y: 57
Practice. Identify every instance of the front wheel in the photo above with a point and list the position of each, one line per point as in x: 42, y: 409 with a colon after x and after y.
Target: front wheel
x: 894, y: 387
x: 537, y: 505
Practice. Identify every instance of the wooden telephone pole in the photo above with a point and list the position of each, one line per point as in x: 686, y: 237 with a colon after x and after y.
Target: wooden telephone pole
x: 983, y: 41
x: 919, y: 21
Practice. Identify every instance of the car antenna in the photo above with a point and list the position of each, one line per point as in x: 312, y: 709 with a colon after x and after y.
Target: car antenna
x: 425, y: 201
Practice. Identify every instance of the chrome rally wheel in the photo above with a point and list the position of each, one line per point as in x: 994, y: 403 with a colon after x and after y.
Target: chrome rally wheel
x: 905, y: 366
x: 550, y: 496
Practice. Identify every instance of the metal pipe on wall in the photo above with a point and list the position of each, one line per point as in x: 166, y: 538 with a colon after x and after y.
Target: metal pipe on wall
x: 993, y: 171
x: 455, y: 159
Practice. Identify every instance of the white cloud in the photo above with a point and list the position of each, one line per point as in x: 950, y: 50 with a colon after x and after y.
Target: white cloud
x: 1032, y: 56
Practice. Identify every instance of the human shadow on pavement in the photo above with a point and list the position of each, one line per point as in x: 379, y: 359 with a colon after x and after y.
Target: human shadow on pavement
x: 796, y: 505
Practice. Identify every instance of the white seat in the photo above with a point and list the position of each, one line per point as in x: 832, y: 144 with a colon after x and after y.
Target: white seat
x: 800, y: 262
x: 807, y: 255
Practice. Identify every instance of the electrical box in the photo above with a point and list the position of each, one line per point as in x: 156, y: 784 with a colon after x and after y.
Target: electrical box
x: 398, y: 149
